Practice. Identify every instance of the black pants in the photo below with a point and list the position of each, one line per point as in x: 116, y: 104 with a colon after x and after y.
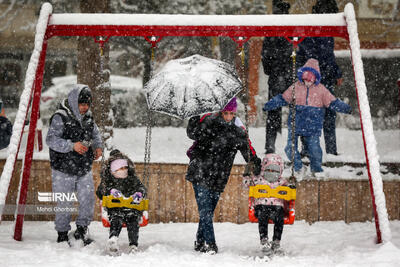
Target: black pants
x: 130, y: 217
x: 265, y: 213
x: 273, y: 126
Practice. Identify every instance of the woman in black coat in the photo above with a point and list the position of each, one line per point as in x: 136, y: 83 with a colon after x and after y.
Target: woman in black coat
x: 5, y: 128
x: 217, y: 137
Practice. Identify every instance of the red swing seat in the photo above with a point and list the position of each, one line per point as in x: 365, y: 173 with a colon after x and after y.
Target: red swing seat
x: 289, y: 195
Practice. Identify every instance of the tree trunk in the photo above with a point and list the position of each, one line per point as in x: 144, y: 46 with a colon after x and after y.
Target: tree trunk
x: 93, y: 70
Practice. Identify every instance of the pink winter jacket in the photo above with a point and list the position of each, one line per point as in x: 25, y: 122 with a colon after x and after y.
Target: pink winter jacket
x: 260, y: 180
x: 316, y: 96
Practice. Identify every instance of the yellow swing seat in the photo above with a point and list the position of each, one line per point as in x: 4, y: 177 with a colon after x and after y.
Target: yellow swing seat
x: 283, y: 192
x: 121, y: 202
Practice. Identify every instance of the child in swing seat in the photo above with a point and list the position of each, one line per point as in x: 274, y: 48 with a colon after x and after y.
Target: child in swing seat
x: 312, y: 98
x: 118, y: 178
x: 269, y: 208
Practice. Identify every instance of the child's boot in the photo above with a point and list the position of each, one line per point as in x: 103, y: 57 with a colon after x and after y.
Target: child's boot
x: 133, y: 249
x: 276, y: 247
x: 112, y: 248
x: 266, y: 246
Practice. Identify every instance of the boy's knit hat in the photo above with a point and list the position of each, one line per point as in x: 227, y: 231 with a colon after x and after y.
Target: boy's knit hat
x: 118, y: 164
x: 85, y: 96
x: 231, y: 106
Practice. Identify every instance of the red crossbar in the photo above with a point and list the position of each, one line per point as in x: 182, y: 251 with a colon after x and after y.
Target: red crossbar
x: 162, y: 30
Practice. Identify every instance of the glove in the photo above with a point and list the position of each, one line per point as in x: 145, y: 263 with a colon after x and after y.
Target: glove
x: 248, y: 169
x: 115, y: 192
x: 257, y: 166
x: 137, y: 197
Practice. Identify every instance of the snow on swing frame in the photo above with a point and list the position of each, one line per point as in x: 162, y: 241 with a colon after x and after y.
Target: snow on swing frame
x: 342, y: 25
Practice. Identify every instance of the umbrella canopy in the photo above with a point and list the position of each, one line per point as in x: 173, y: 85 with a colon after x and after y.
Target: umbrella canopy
x: 192, y: 86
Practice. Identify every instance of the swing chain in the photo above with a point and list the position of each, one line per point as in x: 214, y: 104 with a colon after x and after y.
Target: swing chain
x: 149, y: 124
x: 147, y: 150
x: 292, y: 179
x: 101, y: 43
x: 249, y: 168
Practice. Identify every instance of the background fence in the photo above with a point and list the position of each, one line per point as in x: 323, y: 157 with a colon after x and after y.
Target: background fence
x: 172, y: 198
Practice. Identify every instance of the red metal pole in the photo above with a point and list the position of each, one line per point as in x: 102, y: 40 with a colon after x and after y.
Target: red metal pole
x: 371, y: 187
x: 30, y: 143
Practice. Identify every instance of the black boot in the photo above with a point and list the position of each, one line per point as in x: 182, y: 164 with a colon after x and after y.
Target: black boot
x: 82, y: 234
x: 199, y: 246
x: 211, y: 248
x: 62, y: 237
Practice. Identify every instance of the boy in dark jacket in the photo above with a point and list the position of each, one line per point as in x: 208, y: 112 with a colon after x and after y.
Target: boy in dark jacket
x: 118, y: 178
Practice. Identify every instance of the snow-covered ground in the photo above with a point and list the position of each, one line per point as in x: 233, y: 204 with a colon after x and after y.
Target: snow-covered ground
x: 319, y: 244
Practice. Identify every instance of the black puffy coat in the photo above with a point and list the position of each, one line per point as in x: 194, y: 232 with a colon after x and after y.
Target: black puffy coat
x: 127, y: 186
x: 5, y: 132
x: 278, y: 64
x: 217, y: 143
x: 77, y: 131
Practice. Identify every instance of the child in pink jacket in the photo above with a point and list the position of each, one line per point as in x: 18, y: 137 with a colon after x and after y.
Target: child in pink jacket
x: 269, y: 208
x: 312, y: 99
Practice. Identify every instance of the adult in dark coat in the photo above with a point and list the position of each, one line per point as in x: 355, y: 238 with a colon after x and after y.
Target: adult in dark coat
x: 277, y: 63
x: 5, y: 129
x: 74, y: 142
x: 322, y: 49
x: 217, y: 137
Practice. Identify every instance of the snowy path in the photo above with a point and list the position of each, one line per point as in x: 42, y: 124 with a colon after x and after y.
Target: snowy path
x: 319, y: 244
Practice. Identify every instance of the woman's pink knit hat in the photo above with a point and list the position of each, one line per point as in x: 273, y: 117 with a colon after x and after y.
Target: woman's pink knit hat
x: 231, y: 106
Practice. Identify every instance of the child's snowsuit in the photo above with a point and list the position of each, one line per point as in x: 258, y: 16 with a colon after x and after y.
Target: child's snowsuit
x: 268, y: 208
x: 128, y: 186
x: 310, y: 109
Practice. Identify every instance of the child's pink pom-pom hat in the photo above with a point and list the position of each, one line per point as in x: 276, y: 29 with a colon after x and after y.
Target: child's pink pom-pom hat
x: 118, y: 164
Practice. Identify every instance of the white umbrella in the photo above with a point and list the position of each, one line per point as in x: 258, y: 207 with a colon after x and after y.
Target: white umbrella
x: 192, y: 86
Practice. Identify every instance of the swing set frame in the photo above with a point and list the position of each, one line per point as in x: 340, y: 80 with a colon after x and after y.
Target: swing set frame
x: 240, y: 28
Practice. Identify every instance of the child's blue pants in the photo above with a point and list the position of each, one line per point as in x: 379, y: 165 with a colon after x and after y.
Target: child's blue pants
x: 313, y: 149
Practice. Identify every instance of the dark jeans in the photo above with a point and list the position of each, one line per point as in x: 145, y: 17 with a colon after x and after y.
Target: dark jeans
x: 206, y: 200
x: 272, y: 127
x: 265, y: 213
x: 313, y: 148
x: 330, y: 122
x: 130, y: 218
x: 330, y: 131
